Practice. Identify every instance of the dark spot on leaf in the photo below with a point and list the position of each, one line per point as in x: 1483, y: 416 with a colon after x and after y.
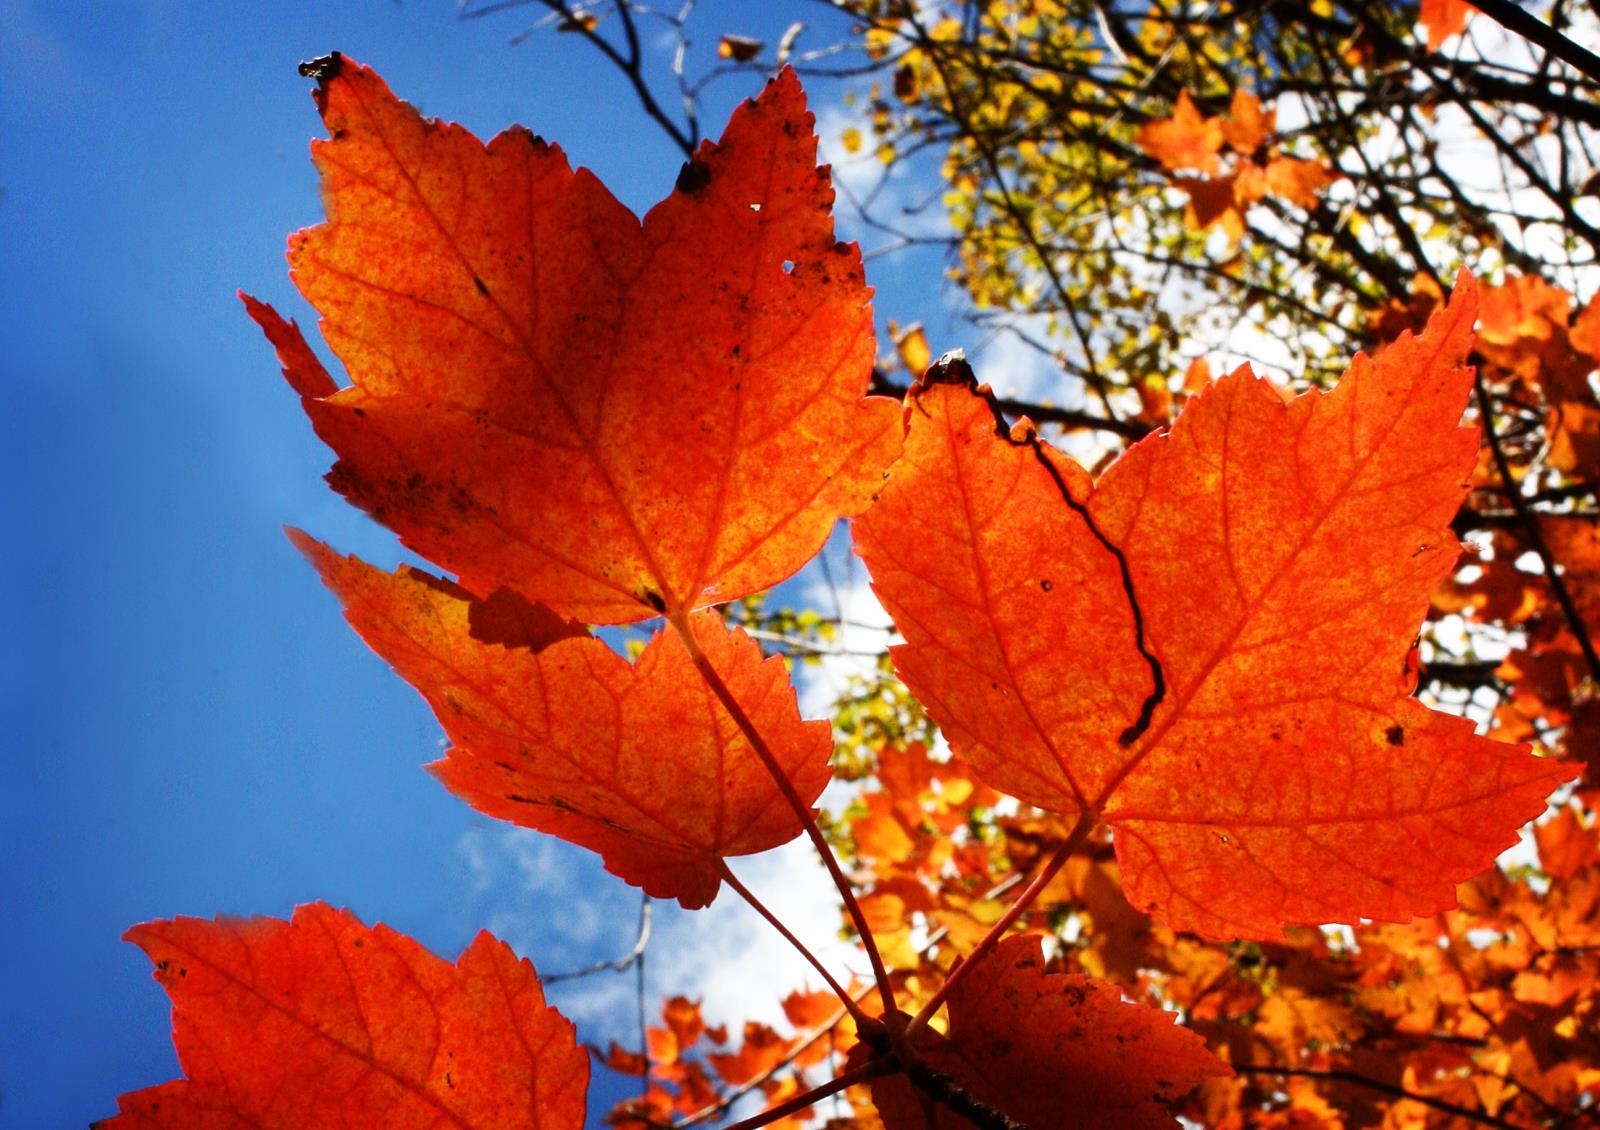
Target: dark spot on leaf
x: 694, y: 176
x: 1046, y: 585
x: 951, y: 369
x: 483, y: 288
x: 654, y: 600
x: 510, y: 619
x: 1396, y: 735
x: 324, y: 68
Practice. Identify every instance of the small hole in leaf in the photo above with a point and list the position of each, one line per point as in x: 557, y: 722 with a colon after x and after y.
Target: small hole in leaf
x: 755, y: 207
x: 788, y: 266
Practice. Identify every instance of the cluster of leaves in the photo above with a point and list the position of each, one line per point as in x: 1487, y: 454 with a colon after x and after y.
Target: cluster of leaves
x: 1072, y: 233
x: 1484, y: 1012
x: 1359, y: 74
x: 1174, y: 791
x: 1188, y: 140
x: 1530, y: 587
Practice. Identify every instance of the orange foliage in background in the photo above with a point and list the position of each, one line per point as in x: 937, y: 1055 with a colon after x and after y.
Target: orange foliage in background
x: 1188, y: 140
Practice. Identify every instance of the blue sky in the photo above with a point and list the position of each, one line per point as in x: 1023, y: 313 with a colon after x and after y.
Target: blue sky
x: 192, y: 729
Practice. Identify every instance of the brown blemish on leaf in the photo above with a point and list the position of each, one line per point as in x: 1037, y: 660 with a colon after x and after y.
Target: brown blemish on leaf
x: 694, y: 176
x: 324, y: 68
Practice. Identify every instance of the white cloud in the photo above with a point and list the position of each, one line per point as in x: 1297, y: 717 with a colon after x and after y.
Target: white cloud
x: 553, y: 903
x: 903, y: 195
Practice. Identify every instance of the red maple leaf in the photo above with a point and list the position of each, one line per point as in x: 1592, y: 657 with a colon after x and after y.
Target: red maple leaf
x: 321, y: 1021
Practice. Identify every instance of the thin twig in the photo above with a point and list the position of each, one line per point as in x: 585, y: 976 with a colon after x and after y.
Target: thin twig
x: 638, y: 988
x: 880, y: 975
x: 873, y: 1068
x: 1038, y: 413
x: 1075, y: 838
x: 631, y: 65
x: 776, y: 923
x: 1398, y: 1092
x: 1516, y: 19
x: 1096, y: 379
x: 617, y: 965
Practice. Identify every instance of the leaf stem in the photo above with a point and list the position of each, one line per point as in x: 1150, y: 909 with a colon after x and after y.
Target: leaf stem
x: 679, y: 619
x: 882, y: 1065
x: 760, y: 908
x: 615, y: 965
x: 726, y: 1102
x: 1087, y: 819
x: 946, y: 1091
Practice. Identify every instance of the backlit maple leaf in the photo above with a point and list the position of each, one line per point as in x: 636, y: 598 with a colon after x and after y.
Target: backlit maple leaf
x: 321, y: 1021
x: 1443, y: 19
x: 1207, y: 649
x: 614, y: 418
x: 1054, y: 1051
x: 1187, y: 140
x: 553, y: 730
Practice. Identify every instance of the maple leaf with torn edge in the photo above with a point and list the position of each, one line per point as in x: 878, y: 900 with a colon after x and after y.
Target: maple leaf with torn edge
x: 617, y: 419
x: 1207, y: 649
x: 553, y: 730
x: 323, y: 1021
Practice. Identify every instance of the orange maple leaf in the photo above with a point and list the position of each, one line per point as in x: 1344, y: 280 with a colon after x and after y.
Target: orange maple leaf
x: 1184, y: 141
x: 615, y: 418
x: 1248, y: 126
x: 1223, y: 198
x: 1214, y: 200
x: 322, y: 1021
x: 1524, y: 306
x: 1208, y: 648
x: 1298, y: 181
x: 682, y: 1017
x: 553, y: 730
x: 1443, y: 19
x: 622, y: 1061
x: 762, y: 1050
x: 1055, y: 1051
x: 810, y: 1009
